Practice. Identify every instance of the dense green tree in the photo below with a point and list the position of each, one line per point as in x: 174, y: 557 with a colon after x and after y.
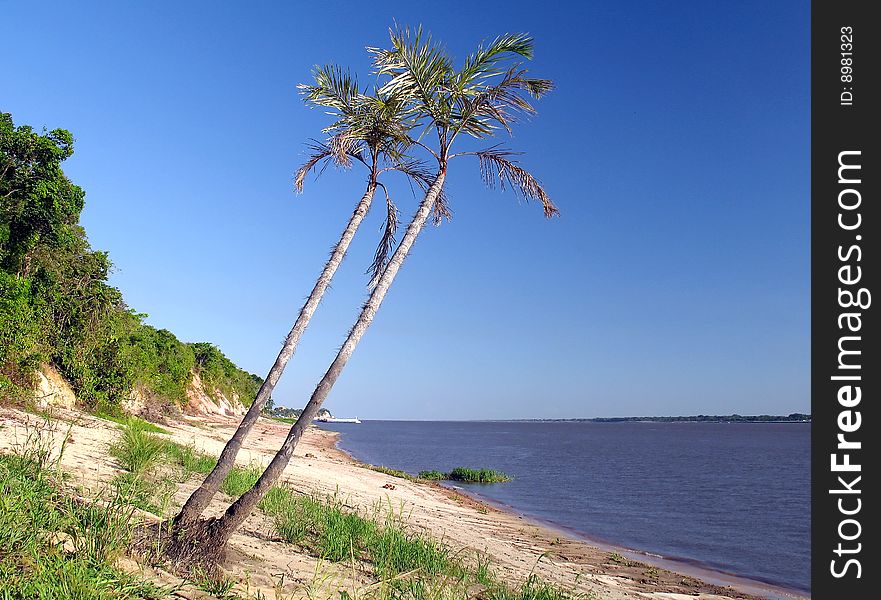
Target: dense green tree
x: 56, y: 304
x: 38, y: 204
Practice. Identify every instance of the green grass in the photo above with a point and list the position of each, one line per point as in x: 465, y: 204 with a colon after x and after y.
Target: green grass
x: 391, y: 472
x: 477, y: 475
x: 324, y: 527
x: 189, y: 459
x: 153, y: 496
x: 54, y: 547
x: 465, y: 475
x: 532, y: 589
x: 288, y: 420
x: 240, y: 480
x: 408, y: 565
x: 125, y: 420
x: 138, y: 450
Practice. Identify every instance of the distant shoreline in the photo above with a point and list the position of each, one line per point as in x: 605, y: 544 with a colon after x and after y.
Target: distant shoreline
x: 793, y: 418
x: 769, y: 419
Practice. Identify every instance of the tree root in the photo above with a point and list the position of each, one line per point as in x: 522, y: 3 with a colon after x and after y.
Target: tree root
x: 194, y: 551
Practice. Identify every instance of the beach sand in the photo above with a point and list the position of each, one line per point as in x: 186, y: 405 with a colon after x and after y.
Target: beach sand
x: 258, y: 560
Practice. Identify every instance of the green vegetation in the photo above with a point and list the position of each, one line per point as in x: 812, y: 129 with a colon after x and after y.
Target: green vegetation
x: 138, y: 451
x: 52, y: 546
x: 326, y: 529
x: 124, y: 420
x: 391, y: 472
x: 152, y: 495
x: 407, y: 564
x: 240, y: 480
x: 190, y: 460
x: 218, y: 373
x: 56, y: 305
x: 466, y: 475
x: 477, y: 475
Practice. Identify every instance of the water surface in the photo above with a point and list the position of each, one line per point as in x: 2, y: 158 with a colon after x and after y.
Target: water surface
x: 731, y: 497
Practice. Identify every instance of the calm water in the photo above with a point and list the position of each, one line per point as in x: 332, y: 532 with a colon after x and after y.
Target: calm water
x: 731, y: 497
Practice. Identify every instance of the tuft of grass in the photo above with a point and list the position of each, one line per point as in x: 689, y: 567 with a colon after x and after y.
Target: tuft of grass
x: 241, y: 479
x: 189, y: 459
x: 125, y: 420
x: 52, y: 546
x: 466, y: 475
x: 138, y: 450
x: 620, y: 560
x: 477, y: 475
x: 391, y: 472
x: 407, y: 565
x: 532, y: 589
x: 324, y: 527
x: 151, y: 496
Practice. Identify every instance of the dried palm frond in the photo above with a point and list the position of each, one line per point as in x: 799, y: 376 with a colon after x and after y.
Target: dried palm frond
x: 495, y: 166
x: 386, y: 243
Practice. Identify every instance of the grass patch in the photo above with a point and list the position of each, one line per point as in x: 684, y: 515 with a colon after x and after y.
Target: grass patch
x: 391, y: 472
x: 288, y: 420
x: 189, y: 459
x: 477, y: 475
x: 153, y: 496
x: 532, y: 589
x: 240, y: 480
x: 325, y: 528
x: 54, y: 547
x: 407, y: 565
x: 138, y: 450
x: 125, y: 420
x: 466, y: 475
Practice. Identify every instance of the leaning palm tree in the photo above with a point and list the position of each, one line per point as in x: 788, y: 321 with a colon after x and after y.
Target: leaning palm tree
x: 476, y: 100
x: 369, y: 129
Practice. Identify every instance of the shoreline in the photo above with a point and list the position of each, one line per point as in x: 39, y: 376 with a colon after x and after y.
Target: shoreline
x: 693, y: 568
x: 517, y: 545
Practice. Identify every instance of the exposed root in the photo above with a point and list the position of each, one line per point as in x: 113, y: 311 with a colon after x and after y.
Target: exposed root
x: 194, y: 552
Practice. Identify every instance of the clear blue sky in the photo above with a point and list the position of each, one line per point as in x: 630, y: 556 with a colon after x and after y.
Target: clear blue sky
x: 676, y: 145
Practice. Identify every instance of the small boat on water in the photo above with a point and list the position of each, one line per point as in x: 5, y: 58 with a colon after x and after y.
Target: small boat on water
x: 324, y: 419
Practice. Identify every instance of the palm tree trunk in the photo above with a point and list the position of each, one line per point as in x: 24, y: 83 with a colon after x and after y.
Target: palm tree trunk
x: 221, y: 529
x: 200, y: 498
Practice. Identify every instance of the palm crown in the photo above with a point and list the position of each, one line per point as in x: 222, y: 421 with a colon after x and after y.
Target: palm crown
x: 373, y: 129
x: 489, y: 92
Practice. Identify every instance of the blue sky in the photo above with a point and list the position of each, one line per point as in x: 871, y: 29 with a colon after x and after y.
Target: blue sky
x: 676, y: 145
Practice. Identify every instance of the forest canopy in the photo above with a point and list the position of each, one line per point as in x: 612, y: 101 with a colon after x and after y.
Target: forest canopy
x: 57, y: 307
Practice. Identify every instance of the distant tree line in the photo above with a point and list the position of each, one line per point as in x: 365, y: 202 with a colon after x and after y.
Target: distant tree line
x: 56, y: 305
x: 282, y: 412
x: 794, y: 417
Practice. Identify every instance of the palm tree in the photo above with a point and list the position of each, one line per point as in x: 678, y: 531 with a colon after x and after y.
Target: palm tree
x: 464, y: 101
x: 372, y: 130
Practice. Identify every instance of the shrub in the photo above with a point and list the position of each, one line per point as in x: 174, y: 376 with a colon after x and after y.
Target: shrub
x: 477, y: 475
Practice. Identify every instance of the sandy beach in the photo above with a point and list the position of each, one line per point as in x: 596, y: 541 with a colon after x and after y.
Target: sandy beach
x: 258, y: 560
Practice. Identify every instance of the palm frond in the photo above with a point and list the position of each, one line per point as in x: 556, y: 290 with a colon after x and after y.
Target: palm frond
x: 386, y: 243
x: 320, y: 152
x: 417, y: 68
x: 496, y: 167
x: 334, y: 88
x: 441, y: 211
x: 500, y: 104
x: 483, y: 63
x: 419, y: 173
